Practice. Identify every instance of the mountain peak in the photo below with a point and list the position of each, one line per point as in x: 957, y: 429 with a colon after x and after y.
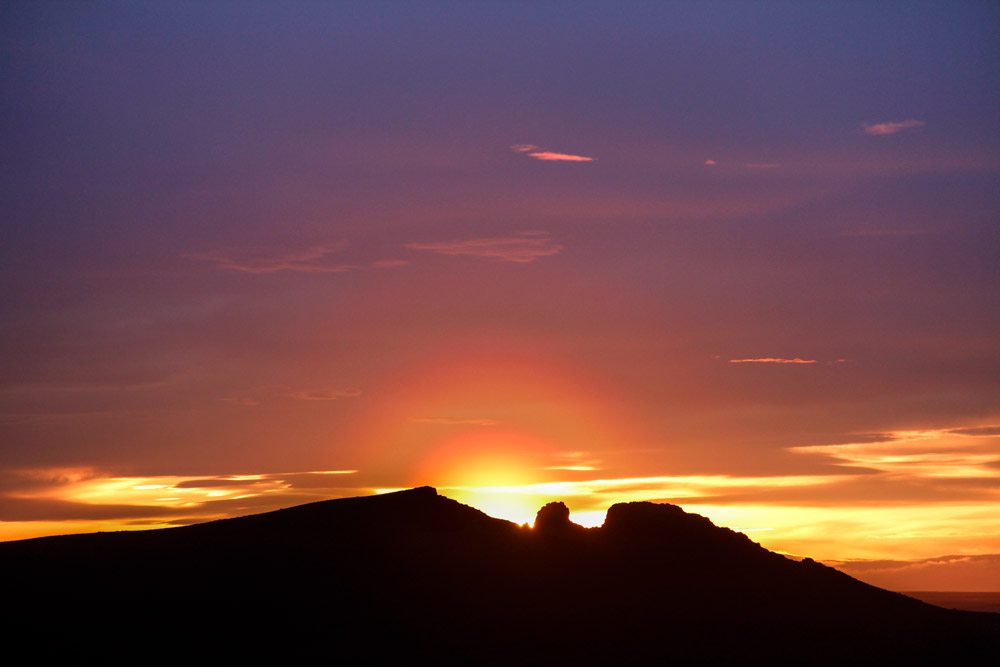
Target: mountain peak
x: 648, y: 522
x: 645, y: 514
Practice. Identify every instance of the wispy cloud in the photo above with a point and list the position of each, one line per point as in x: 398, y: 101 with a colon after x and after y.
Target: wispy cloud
x: 537, y: 153
x: 560, y: 157
x: 977, y: 431
x: 389, y: 263
x: 575, y: 462
x: 271, y: 395
x: 448, y: 421
x: 891, y: 127
x: 520, y: 249
x: 761, y: 165
x: 926, y: 455
x: 772, y: 360
x: 87, y: 499
x: 710, y: 163
x: 241, y: 401
x: 326, y: 394
x: 960, y: 572
x: 314, y: 259
x: 884, y: 233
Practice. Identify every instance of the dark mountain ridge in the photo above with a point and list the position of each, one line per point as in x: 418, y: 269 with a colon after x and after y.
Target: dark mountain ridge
x: 414, y: 575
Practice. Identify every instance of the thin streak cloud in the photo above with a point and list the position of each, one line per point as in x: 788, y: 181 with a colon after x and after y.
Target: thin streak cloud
x: 327, y: 394
x: 314, y: 259
x: 891, y: 127
x: 537, y: 153
x: 549, y: 156
x: 772, y: 360
x: 519, y: 249
x: 389, y: 263
x: 447, y: 421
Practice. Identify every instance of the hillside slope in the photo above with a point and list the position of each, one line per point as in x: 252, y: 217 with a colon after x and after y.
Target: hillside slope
x: 416, y: 575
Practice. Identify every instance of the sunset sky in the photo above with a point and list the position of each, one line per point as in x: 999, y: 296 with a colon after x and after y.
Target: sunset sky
x: 742, y: 257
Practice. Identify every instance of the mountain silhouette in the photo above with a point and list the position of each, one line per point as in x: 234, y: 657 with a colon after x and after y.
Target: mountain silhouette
x: 416, y: 576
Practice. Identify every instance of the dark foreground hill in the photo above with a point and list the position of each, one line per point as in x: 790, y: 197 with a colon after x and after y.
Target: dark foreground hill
x: 413, y: 575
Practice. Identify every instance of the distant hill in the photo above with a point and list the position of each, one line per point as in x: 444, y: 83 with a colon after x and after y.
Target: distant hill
x: 414, y: 575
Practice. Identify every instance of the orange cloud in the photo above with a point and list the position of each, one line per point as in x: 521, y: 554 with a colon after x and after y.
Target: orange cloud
x: 890, y: 127
x: 520, y: 249
x: 772, y: 360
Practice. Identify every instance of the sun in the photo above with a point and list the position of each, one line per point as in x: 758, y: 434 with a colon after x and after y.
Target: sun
x: 503, y: 458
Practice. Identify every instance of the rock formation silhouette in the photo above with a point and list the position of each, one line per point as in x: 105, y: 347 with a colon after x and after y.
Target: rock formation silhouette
x: 553, y: 519
x: 416, y: 576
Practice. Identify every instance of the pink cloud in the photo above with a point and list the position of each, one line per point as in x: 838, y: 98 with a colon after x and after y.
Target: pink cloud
x: 710, y: 163
x: 560, y: 157
x: 890, y: 127
x: 520, y: 249
x: 537, y: 153
x: 772, y: 360
x: 389, y: 263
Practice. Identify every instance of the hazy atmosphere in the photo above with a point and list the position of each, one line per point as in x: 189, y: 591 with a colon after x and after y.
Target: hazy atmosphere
x: 741, y: 257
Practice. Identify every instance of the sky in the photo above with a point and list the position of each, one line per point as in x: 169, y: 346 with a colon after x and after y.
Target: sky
x: 741, y: 257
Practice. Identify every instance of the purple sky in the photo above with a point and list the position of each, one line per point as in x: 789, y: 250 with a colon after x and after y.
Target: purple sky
x: 244, y: 238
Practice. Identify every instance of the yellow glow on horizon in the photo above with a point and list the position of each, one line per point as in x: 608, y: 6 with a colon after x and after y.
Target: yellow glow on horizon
x: 26, y: 530
x: 164, y: 491
x: 913, y: 494
x: 920, y: 454
x: 589, y: 500
x: 893, y: 531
